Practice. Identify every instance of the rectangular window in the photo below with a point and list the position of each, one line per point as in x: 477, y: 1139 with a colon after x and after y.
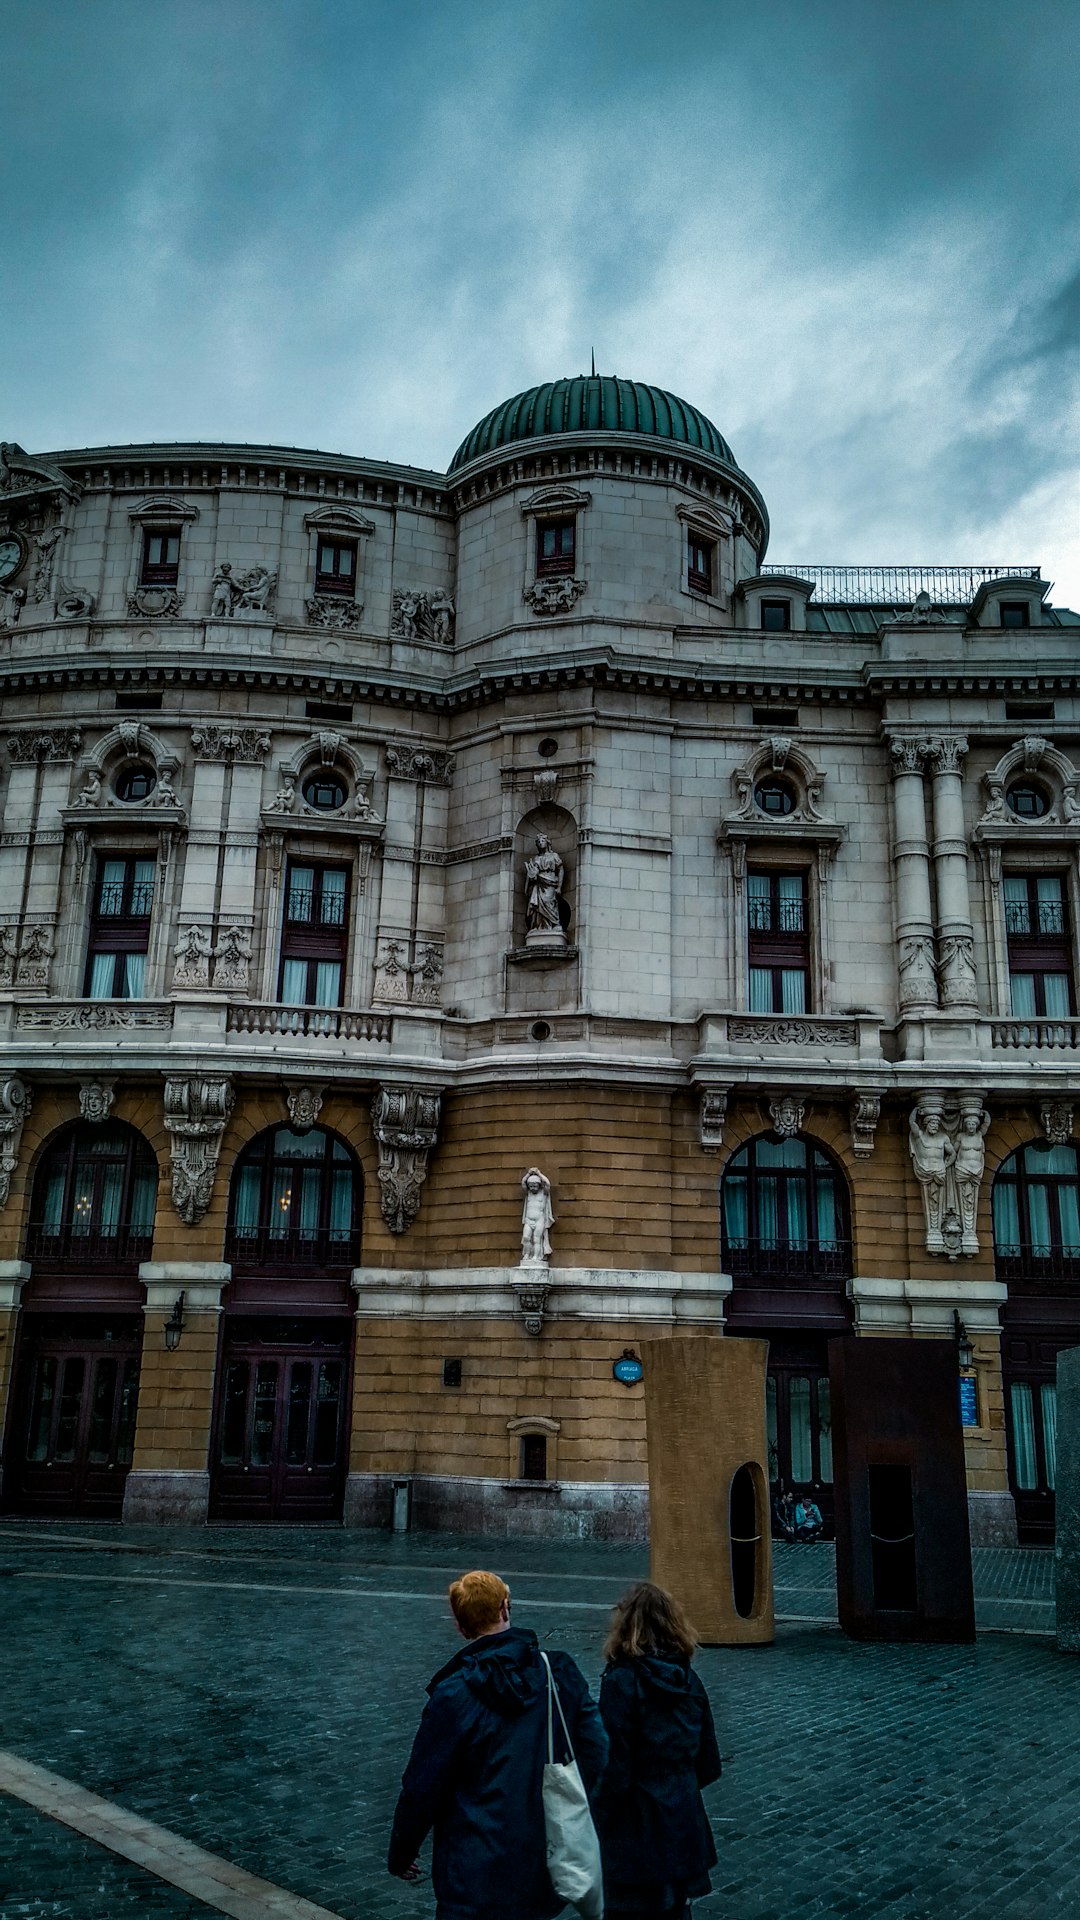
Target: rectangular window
x: 1040, y: 946
x: 776, y: 616
x: 534, y: 1456
x: 777, y: 942
x: 313, y: 934
x: 160, y: 557
x: 119, y: 927
x: 700, y: 555
x: 554, y: 547
x: 1014, y: 613
x: 335, y: 567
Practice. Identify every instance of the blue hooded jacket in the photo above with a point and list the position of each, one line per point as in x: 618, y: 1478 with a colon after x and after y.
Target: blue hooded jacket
x: 652, y: 1825
x: 475, y: 1775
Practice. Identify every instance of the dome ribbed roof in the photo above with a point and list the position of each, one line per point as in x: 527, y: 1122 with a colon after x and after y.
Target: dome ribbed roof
x: 592, y: 403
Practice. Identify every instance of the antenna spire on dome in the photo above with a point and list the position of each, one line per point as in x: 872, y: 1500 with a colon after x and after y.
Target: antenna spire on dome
x: 592, y: 356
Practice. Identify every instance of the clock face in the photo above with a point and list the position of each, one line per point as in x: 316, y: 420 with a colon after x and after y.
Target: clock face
x: 11, y: 557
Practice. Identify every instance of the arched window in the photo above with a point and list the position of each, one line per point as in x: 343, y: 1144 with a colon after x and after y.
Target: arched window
x: 295, y: 1201
x: 94, y: 1199
x: 1037, y: 1214
x: 784, y: 1212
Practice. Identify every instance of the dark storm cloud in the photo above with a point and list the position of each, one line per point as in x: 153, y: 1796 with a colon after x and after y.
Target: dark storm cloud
x: 842, y: 229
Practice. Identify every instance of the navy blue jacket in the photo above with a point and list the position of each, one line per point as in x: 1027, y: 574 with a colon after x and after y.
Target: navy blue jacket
x: 475, y: 1775
x: 652, y: 1825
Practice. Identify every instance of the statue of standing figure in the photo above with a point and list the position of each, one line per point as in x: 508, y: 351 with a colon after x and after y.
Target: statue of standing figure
x: 968, y: 1165
x: 537, y: 1219
x: 932, y: 1157
x: 544, y: 875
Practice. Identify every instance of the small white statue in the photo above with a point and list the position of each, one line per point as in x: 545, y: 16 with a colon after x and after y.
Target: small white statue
x: 968, y: 1166
x: 932, y: 1156
x: 543, y: 893
x: 537, y: 1219
x: 224, y: 594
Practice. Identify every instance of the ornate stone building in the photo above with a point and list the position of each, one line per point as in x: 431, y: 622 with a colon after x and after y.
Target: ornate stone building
x: 454, y: 925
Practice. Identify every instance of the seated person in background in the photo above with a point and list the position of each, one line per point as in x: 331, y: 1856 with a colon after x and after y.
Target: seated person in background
x: 809, y: 1524
x: 784, y: 1514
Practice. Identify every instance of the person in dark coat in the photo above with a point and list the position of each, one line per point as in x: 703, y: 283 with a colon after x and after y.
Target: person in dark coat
x: 655, y: 1838
x: 476, y: 1767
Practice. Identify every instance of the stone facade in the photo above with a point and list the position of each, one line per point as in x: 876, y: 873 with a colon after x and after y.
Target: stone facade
x: 218, y: 745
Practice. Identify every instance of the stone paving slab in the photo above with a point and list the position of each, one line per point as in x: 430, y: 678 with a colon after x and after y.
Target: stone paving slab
x: 271, y: 1726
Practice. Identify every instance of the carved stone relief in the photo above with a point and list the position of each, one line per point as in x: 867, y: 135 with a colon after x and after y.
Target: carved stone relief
x: 406, y: 1123
x: 193, y: 950
x: 196, y: 1115
x: 787, y: 1115
x: 45, y: 544
x: 334, y: 611
x: 96, y: 1100
x: 305, y: 1103
x: 36, y: 950
x: 11, y: 606
x: 50, y: 743
x: 1056, y: 1117
x: 239, y: 596
x: 9, y: 948
x: 232, y: 958
x: 391, y: 974
x: 96, y: 1019
x: 420, y: 763
x: 422, y: 616
x: 865, y: 1114
x: 426, y: 974
x: 712, y: 1114
x: 783, y: 1030
x: 72, y: 603
x: 230, y: 743
x: 956, y: 970
x: 16, y: 1101
x: 554, y: 596
x: 153, y: 603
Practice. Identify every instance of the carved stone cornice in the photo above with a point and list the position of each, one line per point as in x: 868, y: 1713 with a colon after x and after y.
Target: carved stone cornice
x: 196, y: 1114
x: 406, y: 1125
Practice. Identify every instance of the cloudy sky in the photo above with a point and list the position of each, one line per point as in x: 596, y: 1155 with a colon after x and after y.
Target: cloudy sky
x: 844, y: 228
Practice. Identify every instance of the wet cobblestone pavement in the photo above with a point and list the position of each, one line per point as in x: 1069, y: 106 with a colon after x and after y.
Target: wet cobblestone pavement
x: 256, y: 1692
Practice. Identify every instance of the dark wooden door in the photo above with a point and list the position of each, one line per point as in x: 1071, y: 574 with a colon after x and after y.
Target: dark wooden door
x: 74, y: 1432
x: 281, y: 1428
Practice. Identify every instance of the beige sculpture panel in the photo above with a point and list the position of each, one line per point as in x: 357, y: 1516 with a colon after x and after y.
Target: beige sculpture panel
x: 710, y: 1542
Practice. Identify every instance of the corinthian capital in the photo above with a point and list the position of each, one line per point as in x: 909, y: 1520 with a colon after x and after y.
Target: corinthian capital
x: 907, y: 753
x: 946, y: 752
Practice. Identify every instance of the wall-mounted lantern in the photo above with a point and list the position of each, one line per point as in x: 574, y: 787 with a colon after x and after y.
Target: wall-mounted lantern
x: 174, y: 1325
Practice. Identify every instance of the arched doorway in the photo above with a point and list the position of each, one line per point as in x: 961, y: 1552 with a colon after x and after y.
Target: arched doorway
x: 786, y: 1242
x: 1036, y: 1209
x: 76, y: 1385
x: 280, y: 1437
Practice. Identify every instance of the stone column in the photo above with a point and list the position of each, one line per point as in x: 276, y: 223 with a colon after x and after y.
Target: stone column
x: 956, y: 946
x: 14, y: 1275
x: 911, y: 861
x: 170, y: 1477
x: 1067, y: 1572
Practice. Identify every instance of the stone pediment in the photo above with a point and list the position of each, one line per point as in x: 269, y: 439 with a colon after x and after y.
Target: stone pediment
x: 22, y: 477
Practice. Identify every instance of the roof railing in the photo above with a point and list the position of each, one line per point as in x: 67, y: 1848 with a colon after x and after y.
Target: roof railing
x: 898, y: 586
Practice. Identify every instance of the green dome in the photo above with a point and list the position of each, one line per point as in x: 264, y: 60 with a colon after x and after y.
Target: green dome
x: 592, y: 403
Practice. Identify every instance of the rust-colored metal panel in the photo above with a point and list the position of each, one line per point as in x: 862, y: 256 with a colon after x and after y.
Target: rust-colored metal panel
x: 903, y: 1552
x: 709, y: 1531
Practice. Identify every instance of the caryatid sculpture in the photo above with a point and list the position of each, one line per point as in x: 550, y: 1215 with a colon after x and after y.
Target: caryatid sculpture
x: 968, y: 1166
x: 537, y: 1219
x: 544, y: 875
x: 932, y: 1156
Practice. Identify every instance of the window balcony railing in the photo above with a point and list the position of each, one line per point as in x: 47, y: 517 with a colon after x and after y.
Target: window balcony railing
x: 304, y: 908
x: 1022, y: 1264
x: 1049, y: 919
x: 788, y: 917
x: 774, y: 1261
x: 1036, y: 1033
x: 63, y: 1248
x: 325, y: 1250
x: 323, y: 1023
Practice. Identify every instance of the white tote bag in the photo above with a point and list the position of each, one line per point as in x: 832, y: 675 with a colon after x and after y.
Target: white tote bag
x: 573, y: 1850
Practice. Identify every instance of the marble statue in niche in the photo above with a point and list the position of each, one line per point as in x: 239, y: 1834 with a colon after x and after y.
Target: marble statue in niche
x: 546, y: 912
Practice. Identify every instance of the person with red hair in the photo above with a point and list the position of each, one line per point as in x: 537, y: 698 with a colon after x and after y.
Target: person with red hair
x: 476, y: 1767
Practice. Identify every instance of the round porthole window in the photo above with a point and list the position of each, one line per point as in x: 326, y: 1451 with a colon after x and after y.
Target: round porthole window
x: 325, y: 791
x: 1027, y: 801
x: 136, y: 782
x: 774, y: 797
x: 547, y: 748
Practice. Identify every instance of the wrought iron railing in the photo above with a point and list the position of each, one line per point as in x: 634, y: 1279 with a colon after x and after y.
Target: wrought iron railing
x: 898, y: 586
x: 326, y: 1250
x: 1023, y: 1264
x: 786, y: 917
x: 1049, y: 919
x: 767, y: 1260
x: 63, y: 1247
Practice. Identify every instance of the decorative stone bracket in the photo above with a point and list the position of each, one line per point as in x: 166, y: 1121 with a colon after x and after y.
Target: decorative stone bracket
x: 305, y: 1104
x: 865, y: 1114
x: 16, y: 1101
x: 712, y: 1114
x: 532, y: 1289
x: 787, y: 1115
x: 406, y: 1123
x: 196, y: 1114
x: 1056, y: 1118
x: 96, y: 1100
